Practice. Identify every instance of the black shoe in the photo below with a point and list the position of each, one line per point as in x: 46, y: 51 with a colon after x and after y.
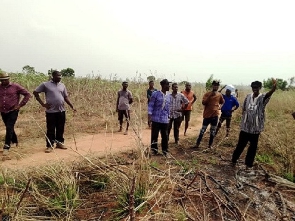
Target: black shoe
x: 196, y: 146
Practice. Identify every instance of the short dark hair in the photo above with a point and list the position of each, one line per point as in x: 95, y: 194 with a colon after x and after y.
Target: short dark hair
x: 55, y: 73
x: 125, y: 82
x: 151, y: 81
x: 215, y: 82
x: 256, y: 84
x: 174, y: 84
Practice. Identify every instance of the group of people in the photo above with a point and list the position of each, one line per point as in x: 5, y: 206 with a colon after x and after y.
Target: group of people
x: 55, y: 96
x: 165, y: 110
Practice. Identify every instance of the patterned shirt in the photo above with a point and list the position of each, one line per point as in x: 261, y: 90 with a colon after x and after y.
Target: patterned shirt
x: 253, y: 113
x: 10, y: 97
x: 158, y: 107
x: 55, y: 94
x: 176, y: 103
x: 124, y: 97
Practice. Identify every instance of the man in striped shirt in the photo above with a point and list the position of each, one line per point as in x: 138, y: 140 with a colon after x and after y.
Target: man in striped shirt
x: 252, y: 123
x: 178, y: 103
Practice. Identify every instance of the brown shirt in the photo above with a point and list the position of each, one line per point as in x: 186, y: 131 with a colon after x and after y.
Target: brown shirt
x: 212, y: 104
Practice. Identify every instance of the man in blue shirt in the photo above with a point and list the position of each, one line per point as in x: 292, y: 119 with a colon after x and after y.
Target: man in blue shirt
x: 230, y: 105
x: 158, y: 113
x: 149, y: 93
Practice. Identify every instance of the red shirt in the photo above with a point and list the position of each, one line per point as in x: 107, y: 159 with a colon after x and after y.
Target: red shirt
x: 10, y: 96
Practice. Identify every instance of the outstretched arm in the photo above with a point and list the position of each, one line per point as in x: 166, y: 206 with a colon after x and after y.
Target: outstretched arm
x: 274, y: 87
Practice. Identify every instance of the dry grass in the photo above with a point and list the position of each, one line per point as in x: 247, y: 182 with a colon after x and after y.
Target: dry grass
x: 193, y: 185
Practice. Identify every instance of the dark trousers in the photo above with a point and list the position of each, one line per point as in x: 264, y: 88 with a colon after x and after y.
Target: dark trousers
x: 176, y: 125
x: 244, y: 138
x: 55, y: 123
x: 9, y: 120
x: 227, y: 120
x: 163, y: 129
x: 213, y: 123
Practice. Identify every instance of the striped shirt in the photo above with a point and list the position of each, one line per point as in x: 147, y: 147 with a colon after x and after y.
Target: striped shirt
x: 158, y: 107
x: 254, y: 113
x: 176, y: 103
x: 10, y: 97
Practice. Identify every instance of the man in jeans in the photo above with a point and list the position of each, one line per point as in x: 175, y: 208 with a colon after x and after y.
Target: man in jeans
x: 212, y: 101
x: 178, y: 102
x: 55, y: 94
x: 9, y: 107
x: 158, y: 113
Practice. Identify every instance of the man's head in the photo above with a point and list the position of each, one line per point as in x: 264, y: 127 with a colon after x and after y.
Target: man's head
x: 56, y: 76
x: 256, y: 86
x: 124, y: 85
x: 215, y: 85
x: 188, y: 86
x: 174, y: 87
x: 165, y: 85
x: 151, y: 84
x: 228, y: 92
x: 4, y: 78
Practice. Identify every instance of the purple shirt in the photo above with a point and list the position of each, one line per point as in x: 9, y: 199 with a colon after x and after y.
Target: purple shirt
x: 158, y: 107
x: 10, y: 97
x: 55, y: 94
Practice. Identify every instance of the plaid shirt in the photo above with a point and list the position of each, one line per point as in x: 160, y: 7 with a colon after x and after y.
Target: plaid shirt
x: 158, y: 107
x: 176, y: 105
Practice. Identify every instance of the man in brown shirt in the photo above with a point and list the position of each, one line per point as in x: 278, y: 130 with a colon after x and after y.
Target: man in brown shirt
x: 212, y: 101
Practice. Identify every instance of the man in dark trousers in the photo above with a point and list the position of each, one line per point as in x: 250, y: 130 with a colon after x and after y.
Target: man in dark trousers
x: 9, y: 107
x: 158, y: 112
x: 55, y: 94
x: 252, y: 123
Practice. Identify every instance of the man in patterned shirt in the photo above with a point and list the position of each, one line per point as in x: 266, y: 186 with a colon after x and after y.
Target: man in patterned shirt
x: 9, y: 107
x: 178, y: 103
x: 158, y: 113
x: 252, y: 123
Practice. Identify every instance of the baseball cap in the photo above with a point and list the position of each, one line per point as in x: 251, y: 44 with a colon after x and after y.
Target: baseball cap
x: 164, y: 82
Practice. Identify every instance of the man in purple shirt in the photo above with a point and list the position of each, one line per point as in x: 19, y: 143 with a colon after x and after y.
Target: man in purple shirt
x: 55, y: 94
x: 9, y: 107
x: 158, y: 113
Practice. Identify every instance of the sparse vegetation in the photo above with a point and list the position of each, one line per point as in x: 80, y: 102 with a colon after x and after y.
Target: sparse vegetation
x: 194, y: 185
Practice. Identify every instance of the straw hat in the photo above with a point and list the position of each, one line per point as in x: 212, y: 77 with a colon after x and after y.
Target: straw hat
x: 4, y: 76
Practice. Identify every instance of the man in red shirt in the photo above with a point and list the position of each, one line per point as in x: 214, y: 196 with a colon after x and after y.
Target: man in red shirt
x: 9, y: 107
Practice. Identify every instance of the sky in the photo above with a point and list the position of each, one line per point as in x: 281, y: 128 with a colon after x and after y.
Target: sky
x: 236, y: 41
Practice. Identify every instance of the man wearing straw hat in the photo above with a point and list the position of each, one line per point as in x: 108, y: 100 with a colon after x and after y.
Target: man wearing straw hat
x: 9, y: 107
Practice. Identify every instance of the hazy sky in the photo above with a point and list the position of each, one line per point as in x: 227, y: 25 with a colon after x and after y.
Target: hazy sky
x: 236, y: 41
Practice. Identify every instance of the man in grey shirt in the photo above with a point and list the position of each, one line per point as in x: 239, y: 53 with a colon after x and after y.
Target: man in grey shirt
x: 55, y: 94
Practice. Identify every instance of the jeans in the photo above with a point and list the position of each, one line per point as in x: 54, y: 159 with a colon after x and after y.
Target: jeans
x: 244, y: 138
x: 9, y: 120
x: 55, y: 123
x: 176, y: 125
x: 163, y: 129
x: 206, y: 121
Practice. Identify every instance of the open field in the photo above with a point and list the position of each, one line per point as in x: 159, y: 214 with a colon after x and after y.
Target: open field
x: 193, y: 185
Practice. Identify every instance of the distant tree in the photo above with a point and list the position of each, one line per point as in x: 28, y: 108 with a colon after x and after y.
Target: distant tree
x: 281, y: 84
x: 28, y: 69
x: 151, y: 78
x: 68, y: 72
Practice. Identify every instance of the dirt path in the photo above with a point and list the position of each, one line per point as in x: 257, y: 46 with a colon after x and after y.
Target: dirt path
x: 100, y: 144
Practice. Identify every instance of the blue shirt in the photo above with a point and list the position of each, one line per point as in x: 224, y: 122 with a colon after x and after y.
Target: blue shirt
x: 158, y: 107
x: 228, y: 105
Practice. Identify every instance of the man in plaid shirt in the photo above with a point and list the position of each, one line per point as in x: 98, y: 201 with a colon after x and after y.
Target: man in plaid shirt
x: 178, y: 103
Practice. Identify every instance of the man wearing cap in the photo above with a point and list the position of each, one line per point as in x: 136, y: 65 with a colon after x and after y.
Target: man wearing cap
x: 178, y: 102
x: 149, y: 93
x: 124, y: 100
x: 186, y: 114
x: 252, y: 123
x: 158, y: 113
x: 9, y: 106
x: 211, y: 101
x: 230, y: 105
x: 55, y: 95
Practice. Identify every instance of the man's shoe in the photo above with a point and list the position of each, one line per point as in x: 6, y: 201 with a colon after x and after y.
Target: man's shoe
x: 196, y: 146
x: 167, y: 155
x: 48, y: 150
x: 177, y: 142
x: 60, y: 145
x: 5, y: 152
x: 126, y: 132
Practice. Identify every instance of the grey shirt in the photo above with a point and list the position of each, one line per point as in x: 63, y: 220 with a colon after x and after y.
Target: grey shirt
x: 124, y: 98
x: 54, y: 95
x: 254, y: 113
